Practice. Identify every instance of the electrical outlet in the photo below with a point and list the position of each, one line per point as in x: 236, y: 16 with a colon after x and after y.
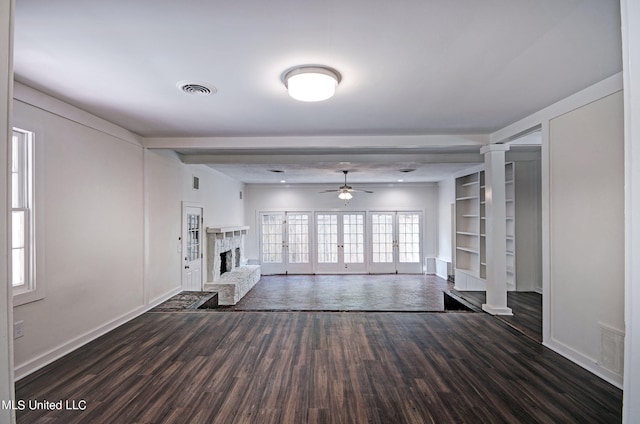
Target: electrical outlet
x: 18, y: 329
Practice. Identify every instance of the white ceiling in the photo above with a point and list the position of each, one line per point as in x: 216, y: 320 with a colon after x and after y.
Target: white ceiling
x: 408, y: 67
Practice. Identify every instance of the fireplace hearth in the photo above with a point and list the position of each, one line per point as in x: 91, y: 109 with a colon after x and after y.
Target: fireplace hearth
x: 227, y: 271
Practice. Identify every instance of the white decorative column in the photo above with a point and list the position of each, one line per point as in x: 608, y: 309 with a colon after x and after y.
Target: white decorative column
x: 496, y: 229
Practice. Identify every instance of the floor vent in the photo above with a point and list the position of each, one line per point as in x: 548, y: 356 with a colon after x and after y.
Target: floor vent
x: 612, y: 349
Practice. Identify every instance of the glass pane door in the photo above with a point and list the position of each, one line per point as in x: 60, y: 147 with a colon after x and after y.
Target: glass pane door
x: 298, y: 256
x: 409, y: 230
x: 396, y: 240
x: 285, y: 246
x: 353, y: 240
x: 272, y: 243
x: 382, y: 242
x: 340, y: 242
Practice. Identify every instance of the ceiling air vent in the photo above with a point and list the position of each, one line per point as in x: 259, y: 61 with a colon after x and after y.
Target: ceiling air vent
x: 196, y: 88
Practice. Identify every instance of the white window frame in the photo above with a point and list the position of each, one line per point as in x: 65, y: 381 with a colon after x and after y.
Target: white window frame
x: 33, y: 288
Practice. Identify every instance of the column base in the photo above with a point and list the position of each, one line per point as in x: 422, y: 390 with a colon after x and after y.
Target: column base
x: 493, y: 310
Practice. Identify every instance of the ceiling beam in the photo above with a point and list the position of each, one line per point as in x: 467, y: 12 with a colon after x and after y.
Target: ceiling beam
x: 273, y: 159
x: 336, y: 142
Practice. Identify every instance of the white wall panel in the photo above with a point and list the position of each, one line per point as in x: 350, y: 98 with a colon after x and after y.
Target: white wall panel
x: 586, y: 176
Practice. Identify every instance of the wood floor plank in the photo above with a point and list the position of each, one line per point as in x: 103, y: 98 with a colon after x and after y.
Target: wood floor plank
x: 298, y: 367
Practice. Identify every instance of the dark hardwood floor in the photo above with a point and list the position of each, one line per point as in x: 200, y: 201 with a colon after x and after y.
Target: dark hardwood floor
x: 381, y: 292
x: 318, y: 367
x: 526, y: 307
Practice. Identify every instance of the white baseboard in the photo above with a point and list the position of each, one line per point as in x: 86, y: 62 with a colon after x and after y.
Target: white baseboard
x: 585, y: 362
x: 56, y: 353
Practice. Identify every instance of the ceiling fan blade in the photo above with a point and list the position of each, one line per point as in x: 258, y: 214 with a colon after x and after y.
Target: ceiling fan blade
x: 330, y: 191
x: 362, y: 191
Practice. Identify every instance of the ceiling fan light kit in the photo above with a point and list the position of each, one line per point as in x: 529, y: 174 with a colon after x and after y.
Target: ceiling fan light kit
x: 311, y: 83
x: 344, y: 191
x: 345, y: 195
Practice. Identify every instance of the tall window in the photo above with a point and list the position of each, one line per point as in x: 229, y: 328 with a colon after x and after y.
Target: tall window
x: 22, y: 215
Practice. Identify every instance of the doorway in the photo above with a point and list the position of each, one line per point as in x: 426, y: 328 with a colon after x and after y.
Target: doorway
x: 396, y: 242
x: 340, y: 246
x: 192, y: 223
x: 285, y: 245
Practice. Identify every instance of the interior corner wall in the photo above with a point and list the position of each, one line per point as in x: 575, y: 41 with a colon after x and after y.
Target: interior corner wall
x: 422, y: 197
x: 164, y: 186
x: 446, y: 198
x: 6, y: 331
x: 169, y: 183
x: 586, y: 239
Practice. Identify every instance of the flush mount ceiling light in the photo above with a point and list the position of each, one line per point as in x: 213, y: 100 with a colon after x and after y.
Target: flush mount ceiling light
x: 311, y: 83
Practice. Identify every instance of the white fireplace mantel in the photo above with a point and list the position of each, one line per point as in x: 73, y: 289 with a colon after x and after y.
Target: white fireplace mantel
x: 221, y: 233
x: 227, y: 229
x: 221, y: 240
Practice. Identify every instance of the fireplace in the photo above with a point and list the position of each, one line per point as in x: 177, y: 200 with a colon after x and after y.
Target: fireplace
x: 226, y: 261
x: 225, y: 251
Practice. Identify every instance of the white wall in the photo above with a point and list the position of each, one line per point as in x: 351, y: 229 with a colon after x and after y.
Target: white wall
x: 576, y: 301
x: 112, y: 219
x: 586, y: 177
x: 422, y: 197
x: 92, y: 235
x: 6, y: 315
x: 631, y: 54
x: 168, y: 184
x: 446, y: 199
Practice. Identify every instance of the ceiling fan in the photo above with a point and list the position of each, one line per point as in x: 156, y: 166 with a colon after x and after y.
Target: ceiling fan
x: 344, y: 192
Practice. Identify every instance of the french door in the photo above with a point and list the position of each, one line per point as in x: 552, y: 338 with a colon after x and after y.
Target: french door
x: 340, y: 242
x: 192, y: 248
x: 285, y: 243
x: 396, y: 245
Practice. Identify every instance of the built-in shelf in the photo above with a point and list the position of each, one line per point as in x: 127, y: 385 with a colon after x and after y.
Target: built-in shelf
x: 471, y: 222
x: 467, y: 233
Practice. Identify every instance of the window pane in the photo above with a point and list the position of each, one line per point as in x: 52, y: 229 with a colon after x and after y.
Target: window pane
x: 18, y: 267
x: 353, y: 227
x: 327, y: 238
x: 382, y: 240
x: 18, y: 229
x: 272, y: 228
x: 298, y: 230
x: 409, y: 238
x: 22, y: 214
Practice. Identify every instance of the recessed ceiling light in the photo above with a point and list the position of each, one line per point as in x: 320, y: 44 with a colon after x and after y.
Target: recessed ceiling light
x: 311, y: 83
x: 283, y: 181
x: 400, y: 180
x: 196, y: 88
